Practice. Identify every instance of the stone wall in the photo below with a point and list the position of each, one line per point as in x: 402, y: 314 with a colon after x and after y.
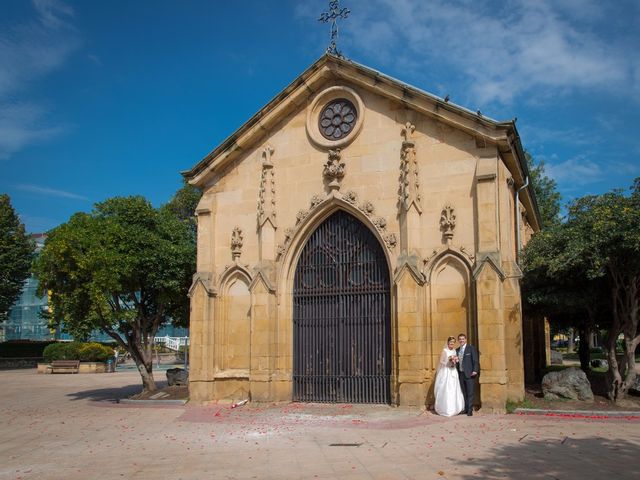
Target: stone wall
x: 13, y: 363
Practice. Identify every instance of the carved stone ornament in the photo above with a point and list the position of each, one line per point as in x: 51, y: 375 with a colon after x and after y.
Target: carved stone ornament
x: 409, y: 192
x: 391, y: 240
x: 267, y: 192
x: 368, y: 208
x: 300, y: 216
x: 380, y: 223
x: 337, y: 119
x: 236, y: 243
x: 334, y: 169
x: 288, y: 233
x: 316, y: 200
x: 351, y: 197
x: 447, y: 222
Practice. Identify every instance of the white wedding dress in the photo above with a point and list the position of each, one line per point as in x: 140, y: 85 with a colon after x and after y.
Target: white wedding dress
x: 449, y: 399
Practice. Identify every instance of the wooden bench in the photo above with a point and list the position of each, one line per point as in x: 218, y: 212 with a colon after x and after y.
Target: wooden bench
x: 65, y: 366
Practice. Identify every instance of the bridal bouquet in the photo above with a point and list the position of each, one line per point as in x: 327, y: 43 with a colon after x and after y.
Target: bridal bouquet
x: 453, y: 359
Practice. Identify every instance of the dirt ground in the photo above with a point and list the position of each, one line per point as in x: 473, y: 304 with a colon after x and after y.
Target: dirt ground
x: 174, y: 392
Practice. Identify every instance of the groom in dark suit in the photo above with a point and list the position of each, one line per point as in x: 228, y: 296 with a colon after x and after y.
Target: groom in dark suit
x: 468, y: 369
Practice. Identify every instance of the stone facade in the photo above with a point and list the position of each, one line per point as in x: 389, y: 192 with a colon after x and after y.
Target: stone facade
x: 436, y: 185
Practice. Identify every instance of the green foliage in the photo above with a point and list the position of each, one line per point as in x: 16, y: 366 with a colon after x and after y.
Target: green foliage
x: 22, y: 349
x: 61, y: 351
x: 183, y: 205
x: 545, y: 190
x: 589, y: 266
x: 94, y: 352
x: 512, y: 405
x: 85, y: 352
x: 125, y: 268
x: 16, y: 253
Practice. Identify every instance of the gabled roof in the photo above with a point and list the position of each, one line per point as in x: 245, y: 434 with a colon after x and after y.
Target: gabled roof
x: 329, y: 67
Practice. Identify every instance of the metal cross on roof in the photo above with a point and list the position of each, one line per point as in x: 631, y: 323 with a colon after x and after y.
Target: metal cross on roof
x: 332, y: 16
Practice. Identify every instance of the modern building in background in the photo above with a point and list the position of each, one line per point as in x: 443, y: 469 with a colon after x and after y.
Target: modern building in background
x: 26, y: 323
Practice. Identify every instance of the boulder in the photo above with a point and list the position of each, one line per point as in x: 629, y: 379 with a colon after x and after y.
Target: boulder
x: 635, y: 388
x: 177, y: 376
x: 570, y: 383
x: 599, y: 363
x: 556, y: 357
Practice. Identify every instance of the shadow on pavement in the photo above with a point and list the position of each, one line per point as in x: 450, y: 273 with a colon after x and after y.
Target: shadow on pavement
x: 554, y: 459
x: 111, y: 394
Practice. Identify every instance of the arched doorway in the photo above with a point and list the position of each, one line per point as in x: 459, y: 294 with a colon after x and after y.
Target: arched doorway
x: 341, y: 316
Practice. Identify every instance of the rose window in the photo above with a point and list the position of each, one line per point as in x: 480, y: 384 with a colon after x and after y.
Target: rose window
x: 338, y: 119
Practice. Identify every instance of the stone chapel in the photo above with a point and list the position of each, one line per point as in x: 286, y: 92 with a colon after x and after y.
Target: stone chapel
x: 345, y: 231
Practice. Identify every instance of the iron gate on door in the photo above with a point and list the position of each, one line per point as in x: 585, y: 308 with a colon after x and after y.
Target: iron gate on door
x: 341, y: 316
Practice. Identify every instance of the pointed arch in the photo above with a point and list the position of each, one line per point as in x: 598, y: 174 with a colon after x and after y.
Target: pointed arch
x: 233, y: 271
x: 452, y: 299
x: 459, y: 254
x: 235, y: 309
x: 321, y: 211
x: 342, y: 315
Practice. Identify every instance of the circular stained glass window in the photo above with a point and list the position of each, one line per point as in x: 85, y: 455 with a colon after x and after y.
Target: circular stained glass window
x: 337, y: 119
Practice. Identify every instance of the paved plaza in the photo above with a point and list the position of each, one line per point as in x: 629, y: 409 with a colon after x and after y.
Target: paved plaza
x: 70, y: 427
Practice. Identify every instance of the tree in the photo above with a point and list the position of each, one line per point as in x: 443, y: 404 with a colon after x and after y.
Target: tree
x: 607, y: 227
x: 595, y: 257
x: 125, y: 268
x: 566, y: 296
x: 16, y: 254
x: 545, y: 191
x: 184, y: 202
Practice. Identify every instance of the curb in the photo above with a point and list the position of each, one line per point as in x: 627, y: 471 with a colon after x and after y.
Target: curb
x: 579, y: 413
x: 151, y: 402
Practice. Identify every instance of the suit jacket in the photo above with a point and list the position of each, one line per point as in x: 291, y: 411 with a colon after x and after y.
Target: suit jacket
x: 470, y: 362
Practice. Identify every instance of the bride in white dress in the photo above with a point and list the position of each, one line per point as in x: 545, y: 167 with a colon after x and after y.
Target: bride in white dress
x: 449, y: 399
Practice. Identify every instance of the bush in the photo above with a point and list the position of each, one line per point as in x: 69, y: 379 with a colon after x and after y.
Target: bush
x: 61, y: 351
x: 23, y: 348
x: 85, y: 352
x: 94, y: 352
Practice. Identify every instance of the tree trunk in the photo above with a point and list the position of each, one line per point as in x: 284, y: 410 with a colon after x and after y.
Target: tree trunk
x: 630, y: 357
x: 583, y: 348
x: 626, y: 307
x: 148, y: 383
x: 144, y: 361
x: 570, y: 343
x: 614, y: 379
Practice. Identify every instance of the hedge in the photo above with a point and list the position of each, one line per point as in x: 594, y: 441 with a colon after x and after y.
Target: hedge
x: 85, y: 352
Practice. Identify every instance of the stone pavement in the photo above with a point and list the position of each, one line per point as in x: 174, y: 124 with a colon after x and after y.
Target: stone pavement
x: 69, y: 427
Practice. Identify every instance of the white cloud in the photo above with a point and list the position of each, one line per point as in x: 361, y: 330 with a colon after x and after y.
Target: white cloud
x: 49, y: 192
x: 22, y: 124
x: 94, y: 59
x: 29, y: 51
x: 504, y: 50
x: 579, y: 170
x: 574, y: 136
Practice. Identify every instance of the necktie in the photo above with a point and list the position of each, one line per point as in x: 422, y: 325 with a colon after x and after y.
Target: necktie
x: 460, y: 358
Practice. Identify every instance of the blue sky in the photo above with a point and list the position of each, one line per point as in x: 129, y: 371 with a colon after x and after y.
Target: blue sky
x: 99, y: 99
